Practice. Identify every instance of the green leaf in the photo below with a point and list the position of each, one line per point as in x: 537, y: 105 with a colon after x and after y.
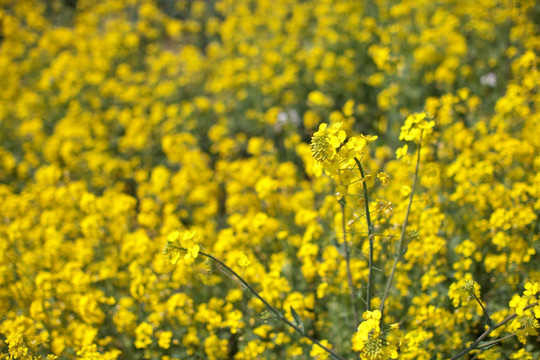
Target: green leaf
x: 297, y: 319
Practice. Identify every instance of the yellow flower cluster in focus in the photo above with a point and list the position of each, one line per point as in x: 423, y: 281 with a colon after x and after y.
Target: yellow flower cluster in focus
x: 186, y: 244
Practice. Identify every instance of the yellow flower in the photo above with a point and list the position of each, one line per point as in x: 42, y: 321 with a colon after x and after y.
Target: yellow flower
x: 164, y: 339
x: 192, y: 252
x: 402, y: 151
x: 416, y: 125
x: 243, y: 261
x: 369, y: 138
x: 317, y: 98
x: 383, y: 177
x: 324, y: 145
x: 187, y: 245
x: 531, y: 288
x: 143, y: 334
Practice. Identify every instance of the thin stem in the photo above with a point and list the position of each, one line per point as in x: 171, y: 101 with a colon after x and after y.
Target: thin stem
x: 375, y: 235
x: 486, y: 314
x: 271, y: 308
x: 370, y: 236
x: 476, y: 343
x: 403, y: 228
x: 358, y: 249
x: 352, y: 209
x: 348, y: 263
x: 490, y: 343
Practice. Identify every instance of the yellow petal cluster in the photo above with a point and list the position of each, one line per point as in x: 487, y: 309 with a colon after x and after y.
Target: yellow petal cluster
x: 186, y: 244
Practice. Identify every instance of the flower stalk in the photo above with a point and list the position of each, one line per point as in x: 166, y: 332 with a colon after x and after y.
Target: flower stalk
x: 371, y: 237
x: 348, y: 262
x: 403, y: 228
x: 272, y: 309
x: 476, y: 344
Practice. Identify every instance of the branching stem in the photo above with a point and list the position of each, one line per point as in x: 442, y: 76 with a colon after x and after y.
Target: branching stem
x: 486, y: 314
x: 271, y: 308
x: 496, y: 341
x: 476, y: 343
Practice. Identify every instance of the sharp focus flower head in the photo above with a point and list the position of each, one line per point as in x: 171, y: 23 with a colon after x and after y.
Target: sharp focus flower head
x: 186, y: 244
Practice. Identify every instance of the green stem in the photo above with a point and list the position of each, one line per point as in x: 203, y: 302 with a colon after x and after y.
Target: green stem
x: 486, y: 314
x: 348, y: 263
x: 493, y: 342
x: 370, y: 235
x: 271, y: 308
x: 403, y: 228
x: 476, y: 343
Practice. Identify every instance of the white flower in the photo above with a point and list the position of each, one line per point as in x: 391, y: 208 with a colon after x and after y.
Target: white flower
x: 489, y: 79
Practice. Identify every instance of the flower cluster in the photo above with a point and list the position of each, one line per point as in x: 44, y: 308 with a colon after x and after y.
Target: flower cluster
x: 337, y: 154
x: 370, y: 342
x: 416, y: 126
x: 186, y: 244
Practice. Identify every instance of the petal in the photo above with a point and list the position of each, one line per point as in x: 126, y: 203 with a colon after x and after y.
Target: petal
x: 173, y: 236
x: 175, y: 257
x: 195, y: 251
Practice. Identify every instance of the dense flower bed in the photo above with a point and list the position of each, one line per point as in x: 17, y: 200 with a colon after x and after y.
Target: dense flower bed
x: 371, y: 169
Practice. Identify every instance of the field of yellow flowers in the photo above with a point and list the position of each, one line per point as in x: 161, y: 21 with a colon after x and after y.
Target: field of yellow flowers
x: 269, y: 179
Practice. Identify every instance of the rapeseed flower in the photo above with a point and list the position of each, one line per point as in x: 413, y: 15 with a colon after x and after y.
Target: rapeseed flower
x: 186, y: 244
